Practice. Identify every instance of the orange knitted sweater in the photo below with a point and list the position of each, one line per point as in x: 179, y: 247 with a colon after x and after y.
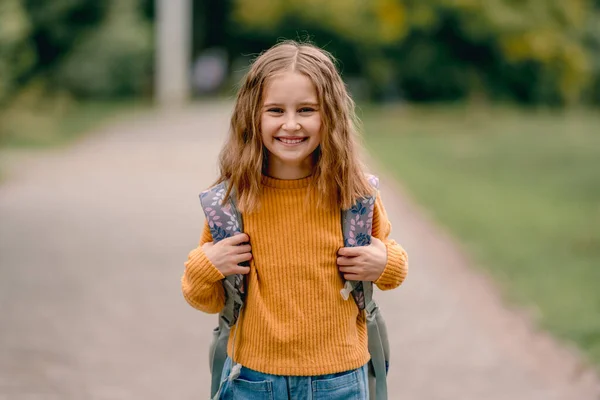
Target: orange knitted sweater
x: 294, y: 322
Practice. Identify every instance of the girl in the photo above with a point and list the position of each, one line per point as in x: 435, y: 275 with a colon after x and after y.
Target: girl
x: 292, y: 162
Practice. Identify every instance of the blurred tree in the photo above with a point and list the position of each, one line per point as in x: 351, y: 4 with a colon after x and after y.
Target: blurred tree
x: 114, y: 60
x: 17, y: 54
x: 592, y: 39
x: 354, y: 31
x: 526, y: 50
x: 82, y: 47
x: 58, y: 25
x: 53, y: 52
x: 366, y: 22
x: 531, y: 51
x: 538, y: 40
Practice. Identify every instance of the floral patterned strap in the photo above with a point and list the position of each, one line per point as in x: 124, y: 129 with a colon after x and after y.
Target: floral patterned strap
x: 224, y: 220
x: 357, y: 224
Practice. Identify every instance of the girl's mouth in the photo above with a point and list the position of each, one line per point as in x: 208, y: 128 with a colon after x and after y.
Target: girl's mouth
x: 291, y: 140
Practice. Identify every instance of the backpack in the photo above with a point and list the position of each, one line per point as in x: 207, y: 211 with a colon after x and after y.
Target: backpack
x: 225, y: 220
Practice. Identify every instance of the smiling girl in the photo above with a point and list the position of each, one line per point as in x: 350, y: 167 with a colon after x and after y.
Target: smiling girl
x: 291, y: 161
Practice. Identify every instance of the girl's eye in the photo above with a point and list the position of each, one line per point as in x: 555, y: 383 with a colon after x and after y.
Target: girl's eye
x: 275, y: 110
x: 306, y: 109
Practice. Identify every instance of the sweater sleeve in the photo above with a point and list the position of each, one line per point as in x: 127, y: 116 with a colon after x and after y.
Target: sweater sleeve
x: 397, y: 260
x: 201, y: 282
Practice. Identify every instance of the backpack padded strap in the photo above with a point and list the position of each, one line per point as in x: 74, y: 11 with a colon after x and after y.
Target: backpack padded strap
x: 357, y: 224
x: 224, y: 220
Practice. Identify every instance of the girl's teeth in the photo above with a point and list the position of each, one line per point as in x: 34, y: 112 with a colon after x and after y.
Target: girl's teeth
x: 288, y: 141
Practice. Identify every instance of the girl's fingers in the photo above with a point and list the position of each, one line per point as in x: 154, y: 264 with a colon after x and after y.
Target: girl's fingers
x: 350, y: 270
x: 241, y: 249
x: 241, y: 270
x: 236, y: 239
x: 353, y: 273
x: 347, y: 261
x: 351, y: 251
x: 242, y: 257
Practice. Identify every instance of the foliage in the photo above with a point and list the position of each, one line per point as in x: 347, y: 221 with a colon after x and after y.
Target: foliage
x: 57, y: 25
x: 534, y: 51
x: 17, y: 55
x: 531, y: 51
x: 380, y: 21
x: 83, y: 47
x: 113, y: 61
x: 54, y: 53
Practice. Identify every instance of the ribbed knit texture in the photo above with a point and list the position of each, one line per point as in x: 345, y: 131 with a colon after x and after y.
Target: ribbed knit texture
x: 295, y: 321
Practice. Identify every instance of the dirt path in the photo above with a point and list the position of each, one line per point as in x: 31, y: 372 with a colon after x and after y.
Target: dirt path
x: 92, y: 244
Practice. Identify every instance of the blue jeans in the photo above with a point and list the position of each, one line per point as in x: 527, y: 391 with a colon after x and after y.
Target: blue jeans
x: 254, y: 385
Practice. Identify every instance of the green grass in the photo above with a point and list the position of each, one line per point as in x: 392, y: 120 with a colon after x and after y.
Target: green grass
x: 47, y: 125
x: 520, y: 189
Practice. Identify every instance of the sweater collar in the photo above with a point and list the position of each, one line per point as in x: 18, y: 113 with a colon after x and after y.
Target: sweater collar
x: 286, y: 183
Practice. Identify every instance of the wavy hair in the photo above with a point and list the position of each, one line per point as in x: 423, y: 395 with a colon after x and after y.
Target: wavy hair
x: 338, y: 175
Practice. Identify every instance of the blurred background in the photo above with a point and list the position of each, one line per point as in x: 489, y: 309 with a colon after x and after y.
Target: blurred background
x: 527, y: 53
x: 486, y: 111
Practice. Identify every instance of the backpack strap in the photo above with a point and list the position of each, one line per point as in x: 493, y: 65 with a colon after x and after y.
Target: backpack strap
x: 357, y: 224
x: 224, y: 220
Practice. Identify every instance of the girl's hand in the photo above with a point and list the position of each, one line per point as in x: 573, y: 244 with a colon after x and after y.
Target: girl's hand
x: 228, y: 253
x: 363, y: 263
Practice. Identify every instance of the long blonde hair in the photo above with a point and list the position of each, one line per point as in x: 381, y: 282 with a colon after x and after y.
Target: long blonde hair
x: 338, y: 175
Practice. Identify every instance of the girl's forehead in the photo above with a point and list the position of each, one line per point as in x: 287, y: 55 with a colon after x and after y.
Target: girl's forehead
x: 289, y: 84
x: 288, y: 76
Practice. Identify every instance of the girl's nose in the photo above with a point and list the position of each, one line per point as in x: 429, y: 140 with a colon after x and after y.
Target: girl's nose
x: 290, y: 125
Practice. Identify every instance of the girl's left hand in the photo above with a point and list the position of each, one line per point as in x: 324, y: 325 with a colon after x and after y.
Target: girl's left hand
x: 363, y: 263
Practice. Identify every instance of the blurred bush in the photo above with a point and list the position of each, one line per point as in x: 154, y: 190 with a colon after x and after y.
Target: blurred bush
x: 53, y: 54
x: 81, y: 47
x: 17, y: 53
x: 112, y: 61
x: 528, y: 51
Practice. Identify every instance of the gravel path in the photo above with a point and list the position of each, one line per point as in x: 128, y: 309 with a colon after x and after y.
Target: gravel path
x: 92, y: 244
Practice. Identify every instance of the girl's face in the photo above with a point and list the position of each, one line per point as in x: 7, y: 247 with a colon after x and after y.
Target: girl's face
x: 290, y: 125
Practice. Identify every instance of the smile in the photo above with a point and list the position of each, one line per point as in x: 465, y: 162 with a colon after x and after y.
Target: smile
x: 291, y: 140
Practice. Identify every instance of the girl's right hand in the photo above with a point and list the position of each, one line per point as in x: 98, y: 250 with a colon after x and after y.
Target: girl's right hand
x: 228, y: 253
